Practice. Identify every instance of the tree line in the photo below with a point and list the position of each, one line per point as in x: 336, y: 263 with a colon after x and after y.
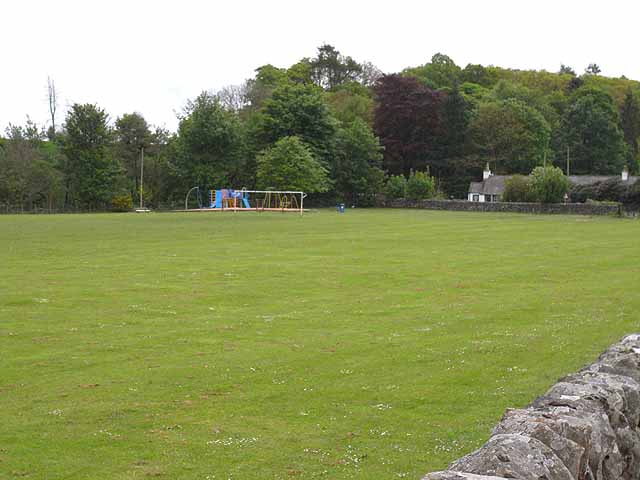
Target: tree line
x: 332, y: 126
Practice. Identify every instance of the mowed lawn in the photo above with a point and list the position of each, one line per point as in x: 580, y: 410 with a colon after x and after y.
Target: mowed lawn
x: 374, y: 344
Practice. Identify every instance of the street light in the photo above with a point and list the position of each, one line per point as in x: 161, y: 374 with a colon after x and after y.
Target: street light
x: 141, y: 174
x: 141, y: 209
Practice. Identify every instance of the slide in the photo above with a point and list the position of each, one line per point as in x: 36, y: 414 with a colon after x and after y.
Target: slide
x: 245, y: 202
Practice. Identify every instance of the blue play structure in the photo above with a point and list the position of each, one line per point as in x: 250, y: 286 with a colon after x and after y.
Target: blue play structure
x: 227, y: 198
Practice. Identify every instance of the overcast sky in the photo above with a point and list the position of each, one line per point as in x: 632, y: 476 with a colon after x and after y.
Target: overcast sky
x: 151, y: 56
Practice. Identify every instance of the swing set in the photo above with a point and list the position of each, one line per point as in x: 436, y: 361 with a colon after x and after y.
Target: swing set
x: 244, y: 200
x: 278, y: 201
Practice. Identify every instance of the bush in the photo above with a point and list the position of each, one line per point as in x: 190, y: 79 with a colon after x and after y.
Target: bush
x: 518, y: 189
x: 582, y: 193
x: 419, y: 186
x: 122, y: 203
x: 441, y: 195
x: 611, y: 190
x: 374, y: 184
x: 396, y: 185
x: 549, y: 184
x: 633, y: 195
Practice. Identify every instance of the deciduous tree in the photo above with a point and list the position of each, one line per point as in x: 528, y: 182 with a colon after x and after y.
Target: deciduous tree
x: 298, y: 110
x: 591, y: 132
x: 131, y: 135
x: 52, y: 97
x: 289, y: 164
x: 566, y: 70
x: 440, y: 72
x: 91, y: 172
x: 408, y: 121
x: 593, y: 69
x: 370, y: 74
x: 233, y: 97
x: 330, y: 68
x: 260, y: 88
x: 357, y: 164
x: 209, y: 143
x: 513, y: 136
x: 475, y: 73
x: 630, y: 120
x: 348, y: 105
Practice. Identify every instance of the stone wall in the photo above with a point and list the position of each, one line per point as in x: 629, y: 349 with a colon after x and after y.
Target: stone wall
x: 586, y: 427
x: 463, y: 205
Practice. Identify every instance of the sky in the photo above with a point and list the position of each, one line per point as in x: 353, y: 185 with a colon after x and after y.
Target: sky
x: 152, y: 56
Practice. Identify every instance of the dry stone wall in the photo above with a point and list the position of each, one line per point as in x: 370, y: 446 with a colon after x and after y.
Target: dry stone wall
x: 465, y: 206
x: 586, y: 427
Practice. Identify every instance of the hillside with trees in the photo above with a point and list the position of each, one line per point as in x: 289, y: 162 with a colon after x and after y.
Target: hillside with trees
x: 334, y: 126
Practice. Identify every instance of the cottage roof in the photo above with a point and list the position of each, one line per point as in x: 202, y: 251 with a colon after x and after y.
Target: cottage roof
x: 493, y: 185
x: 591, y: 179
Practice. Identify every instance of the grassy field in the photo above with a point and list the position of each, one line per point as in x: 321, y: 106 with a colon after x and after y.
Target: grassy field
x: 374, y: 344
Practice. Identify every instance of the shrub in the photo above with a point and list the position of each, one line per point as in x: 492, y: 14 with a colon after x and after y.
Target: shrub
x: 441, y: 195
x: 612, y: 190
x: 374, y: 184
x: 122, y: 203
x: 549, y: 184
x: 633, y: 195
x: 582, y: 193
x: 395, y: 187
x: 518, y: 189
x: 419, y: 186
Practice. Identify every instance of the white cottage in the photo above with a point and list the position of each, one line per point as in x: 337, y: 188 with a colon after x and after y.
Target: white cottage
x: 491, y: 188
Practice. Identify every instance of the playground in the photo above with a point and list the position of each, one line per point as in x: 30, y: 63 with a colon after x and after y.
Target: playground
x: 369, y: 344
x: 227, y: 199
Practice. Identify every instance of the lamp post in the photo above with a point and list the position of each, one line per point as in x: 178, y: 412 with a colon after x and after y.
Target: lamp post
x: 141, y: 174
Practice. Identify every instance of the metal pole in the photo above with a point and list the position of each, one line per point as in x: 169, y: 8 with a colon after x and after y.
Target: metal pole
x: 186, y: 199
x: 567, y: 160
x: 141, y: 173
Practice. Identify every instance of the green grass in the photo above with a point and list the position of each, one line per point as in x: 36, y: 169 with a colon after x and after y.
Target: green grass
x: 374, y: 344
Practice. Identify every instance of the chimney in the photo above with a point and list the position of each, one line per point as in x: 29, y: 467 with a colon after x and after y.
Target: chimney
x: 487, y: 172
x: 625, y: 173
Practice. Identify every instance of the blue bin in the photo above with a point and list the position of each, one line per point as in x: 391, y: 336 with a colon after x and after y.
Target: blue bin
x: 340, y: 208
